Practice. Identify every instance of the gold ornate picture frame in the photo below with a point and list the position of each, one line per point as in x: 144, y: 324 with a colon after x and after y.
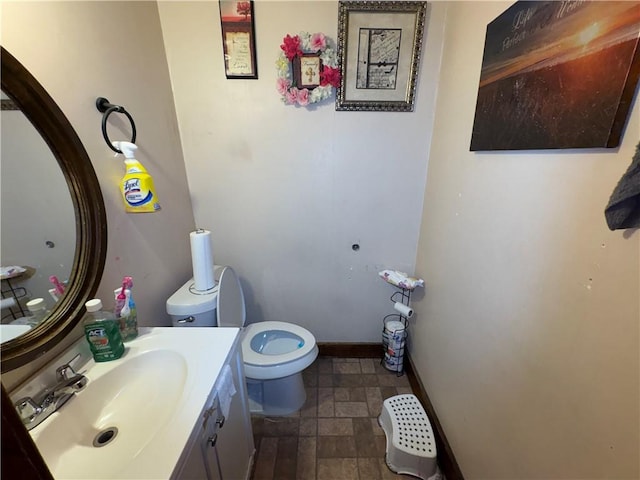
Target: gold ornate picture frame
x: 379, y: 45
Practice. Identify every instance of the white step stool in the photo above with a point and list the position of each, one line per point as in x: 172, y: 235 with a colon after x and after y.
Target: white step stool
x: 411, y: 447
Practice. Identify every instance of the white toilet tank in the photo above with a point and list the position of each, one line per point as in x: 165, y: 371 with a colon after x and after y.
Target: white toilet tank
x: 189, y: 307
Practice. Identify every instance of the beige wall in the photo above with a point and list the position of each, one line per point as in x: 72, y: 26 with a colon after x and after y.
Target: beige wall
x: 286, y: 191
x: 527, y: 335
x: 83, y: 50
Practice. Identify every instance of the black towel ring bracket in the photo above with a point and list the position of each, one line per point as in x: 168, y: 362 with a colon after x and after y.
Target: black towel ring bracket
x: 106, y: 108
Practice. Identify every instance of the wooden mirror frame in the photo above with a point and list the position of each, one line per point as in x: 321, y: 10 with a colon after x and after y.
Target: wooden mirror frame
x: 88, y: 203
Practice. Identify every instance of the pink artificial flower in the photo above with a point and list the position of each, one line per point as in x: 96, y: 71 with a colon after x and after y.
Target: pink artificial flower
x: 303, y: 97
x: 291, y: 96
x: 282, y: 85
x: 291, y: 46
x: 318, y: 42
x: 330, y: 76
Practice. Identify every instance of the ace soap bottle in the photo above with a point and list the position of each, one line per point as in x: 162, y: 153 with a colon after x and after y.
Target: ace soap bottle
x: 103, y: 332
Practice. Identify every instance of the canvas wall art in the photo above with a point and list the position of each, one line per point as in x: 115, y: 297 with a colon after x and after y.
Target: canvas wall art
x: 558, y: 74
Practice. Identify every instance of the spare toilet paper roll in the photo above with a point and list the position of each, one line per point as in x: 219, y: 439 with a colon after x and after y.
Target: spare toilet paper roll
x: 405, y: 310
x: 202, y: 259
x: 7, y: 302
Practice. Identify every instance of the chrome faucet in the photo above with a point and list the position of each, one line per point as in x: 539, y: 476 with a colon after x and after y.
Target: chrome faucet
x: 33, y: 411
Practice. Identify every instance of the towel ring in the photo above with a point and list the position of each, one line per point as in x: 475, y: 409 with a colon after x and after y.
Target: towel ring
x: 103, y: 105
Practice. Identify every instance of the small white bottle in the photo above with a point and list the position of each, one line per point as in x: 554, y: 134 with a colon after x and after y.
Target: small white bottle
x: 127, y: 317
x: 38, y: 311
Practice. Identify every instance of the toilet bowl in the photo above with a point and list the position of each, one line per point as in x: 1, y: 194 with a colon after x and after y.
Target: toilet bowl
x: 277, y: 349
x: 274, y: 353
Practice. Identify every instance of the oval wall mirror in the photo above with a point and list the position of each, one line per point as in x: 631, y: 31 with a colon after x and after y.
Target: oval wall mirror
x: 88, y: 205
x: 37, y: 222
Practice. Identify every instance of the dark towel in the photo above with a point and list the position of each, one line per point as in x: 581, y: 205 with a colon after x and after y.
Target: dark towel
x: 623, y: 210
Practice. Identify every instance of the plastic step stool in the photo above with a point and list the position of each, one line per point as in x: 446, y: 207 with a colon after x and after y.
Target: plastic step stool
x: 411, y: 447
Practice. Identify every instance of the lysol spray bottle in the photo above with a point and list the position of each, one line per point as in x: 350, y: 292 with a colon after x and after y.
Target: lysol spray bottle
x: 138, y: 192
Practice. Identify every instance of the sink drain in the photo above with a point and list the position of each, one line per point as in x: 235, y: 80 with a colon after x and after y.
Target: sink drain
x: 105, y: 436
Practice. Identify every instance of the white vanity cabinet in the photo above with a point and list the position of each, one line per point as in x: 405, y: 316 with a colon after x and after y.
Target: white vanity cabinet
x: 221, y: 446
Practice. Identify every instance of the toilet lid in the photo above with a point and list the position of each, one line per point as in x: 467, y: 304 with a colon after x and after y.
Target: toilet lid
x: 231, y: 310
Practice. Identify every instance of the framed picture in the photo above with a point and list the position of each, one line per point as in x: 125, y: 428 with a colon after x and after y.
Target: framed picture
x: 238, y: 39
x: 306, y: 70
x: 379, y: 47
x: 557, y: 75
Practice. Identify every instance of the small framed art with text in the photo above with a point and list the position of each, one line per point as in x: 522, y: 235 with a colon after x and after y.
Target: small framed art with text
x: 238, y: 39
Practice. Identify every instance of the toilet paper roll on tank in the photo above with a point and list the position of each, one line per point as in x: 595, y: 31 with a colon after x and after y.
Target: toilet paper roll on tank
x: 202, y: 259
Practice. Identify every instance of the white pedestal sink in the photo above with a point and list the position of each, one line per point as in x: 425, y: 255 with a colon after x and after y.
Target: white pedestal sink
x: 137, y: 414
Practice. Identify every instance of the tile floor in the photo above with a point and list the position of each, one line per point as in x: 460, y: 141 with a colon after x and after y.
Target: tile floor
x: 336, y: 435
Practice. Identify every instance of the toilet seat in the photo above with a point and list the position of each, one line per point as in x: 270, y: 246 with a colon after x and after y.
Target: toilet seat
x: 231, y: 312
x: 265, y: 360
x: 260, y: 366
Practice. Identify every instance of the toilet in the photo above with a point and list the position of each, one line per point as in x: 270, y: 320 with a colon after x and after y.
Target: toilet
x: 274, y: 353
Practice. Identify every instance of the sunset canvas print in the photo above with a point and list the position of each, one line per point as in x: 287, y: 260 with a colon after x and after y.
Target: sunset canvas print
x: 557, y: 75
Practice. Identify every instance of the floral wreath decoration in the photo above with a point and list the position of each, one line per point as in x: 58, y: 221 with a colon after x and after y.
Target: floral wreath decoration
x: 296, y: 47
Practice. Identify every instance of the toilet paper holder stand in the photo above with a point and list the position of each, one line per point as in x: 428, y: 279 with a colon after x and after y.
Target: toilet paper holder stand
x: 394, y: 340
